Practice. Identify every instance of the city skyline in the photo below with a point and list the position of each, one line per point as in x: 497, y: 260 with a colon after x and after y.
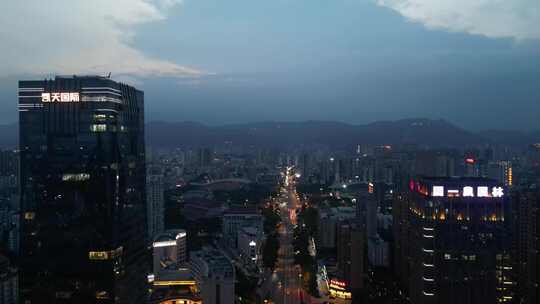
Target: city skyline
x: 270, y: 152
x: 348, y: 61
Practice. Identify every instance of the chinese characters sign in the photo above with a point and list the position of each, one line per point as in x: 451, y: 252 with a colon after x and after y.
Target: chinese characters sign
x: 60, y: 97
x: 468, y: 191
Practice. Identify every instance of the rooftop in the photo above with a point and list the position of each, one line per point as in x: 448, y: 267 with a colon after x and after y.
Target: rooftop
x: 217, y: 262
x: 170, y: 235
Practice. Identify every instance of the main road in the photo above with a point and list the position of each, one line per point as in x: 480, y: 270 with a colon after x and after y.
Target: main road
x: 289, y: 286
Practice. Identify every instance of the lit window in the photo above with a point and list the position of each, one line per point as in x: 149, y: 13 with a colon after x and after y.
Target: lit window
x: 100, y: 117
x: 98, y: 128
x: 105, y: 255
x: 447, y: 256
x: 102, y: 295
x: 98, y: 255
x: 75, y: 177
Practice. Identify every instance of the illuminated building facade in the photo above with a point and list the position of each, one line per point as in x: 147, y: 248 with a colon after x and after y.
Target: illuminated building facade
x: 175, y: 286
x: 82, y: 178
x: 249, y: 245
x: 169, y: 250
x: 339, y: 289
x: 455, y: 241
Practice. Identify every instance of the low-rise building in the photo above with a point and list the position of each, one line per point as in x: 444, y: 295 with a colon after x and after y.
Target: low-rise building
x: 214, y: 274
x: 169, y: 248
x: 237, y: 217
x: 174, y: 286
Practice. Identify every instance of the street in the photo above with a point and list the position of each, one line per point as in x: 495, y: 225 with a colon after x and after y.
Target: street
x: 288, y: 289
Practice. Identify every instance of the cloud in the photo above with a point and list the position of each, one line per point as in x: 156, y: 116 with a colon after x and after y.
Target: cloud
x: 517, y: 19
x: 81, y: 37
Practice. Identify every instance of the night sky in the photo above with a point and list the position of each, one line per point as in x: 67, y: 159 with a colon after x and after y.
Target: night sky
x: 474, y: 63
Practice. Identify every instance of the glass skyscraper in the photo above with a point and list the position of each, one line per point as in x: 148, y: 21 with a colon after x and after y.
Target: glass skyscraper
x: 82, y: 175
x: 454, y: 241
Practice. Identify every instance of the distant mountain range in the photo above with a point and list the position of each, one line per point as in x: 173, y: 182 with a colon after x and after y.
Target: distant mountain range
x: 439, y: 133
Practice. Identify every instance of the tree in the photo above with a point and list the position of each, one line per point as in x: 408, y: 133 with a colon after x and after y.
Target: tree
x: 270, y: 251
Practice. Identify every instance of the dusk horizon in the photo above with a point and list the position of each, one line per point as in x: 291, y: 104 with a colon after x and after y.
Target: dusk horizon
x: 270, y: 152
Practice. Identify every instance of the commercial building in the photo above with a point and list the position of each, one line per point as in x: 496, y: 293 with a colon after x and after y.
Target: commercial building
x: 339, y: 289
x: 174, y: 287
x: 169, y: 250
x: 82, y: 180
x: 454, y: 244
x: 214, y: 274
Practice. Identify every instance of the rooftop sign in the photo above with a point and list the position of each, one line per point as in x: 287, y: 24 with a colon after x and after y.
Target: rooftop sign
x: 467, y: 191
x: 60, y: 97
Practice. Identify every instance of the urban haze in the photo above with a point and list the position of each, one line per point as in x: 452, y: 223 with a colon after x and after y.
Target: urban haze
x: 288, y: 152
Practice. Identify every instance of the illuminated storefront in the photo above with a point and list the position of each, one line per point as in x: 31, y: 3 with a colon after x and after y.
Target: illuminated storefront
x: 338, y: 289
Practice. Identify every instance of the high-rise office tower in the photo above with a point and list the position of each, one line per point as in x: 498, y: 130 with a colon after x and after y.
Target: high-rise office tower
x: 527, y: 205
x: 82, y: 175
x: 155, y: 201
x: 454, y: 241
